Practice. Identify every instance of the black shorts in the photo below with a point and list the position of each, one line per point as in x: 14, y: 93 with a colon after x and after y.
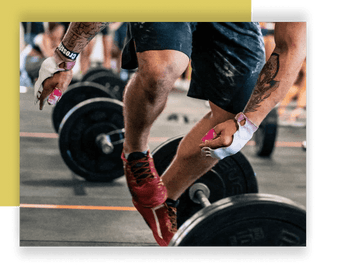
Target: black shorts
x: 226, y: 58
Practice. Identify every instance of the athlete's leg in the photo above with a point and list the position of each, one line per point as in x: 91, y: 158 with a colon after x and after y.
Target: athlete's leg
x: 301, y: 97
x: 299, y: 90
x: 301, y: 103
x: 107, y: 44
x: 146, y: 94
x: 85, y: 57
x: 144, y: 99
x: 162, y: 55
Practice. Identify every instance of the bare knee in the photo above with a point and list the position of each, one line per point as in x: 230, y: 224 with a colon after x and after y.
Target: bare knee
x: 158, y: 71
x: 157, y: 77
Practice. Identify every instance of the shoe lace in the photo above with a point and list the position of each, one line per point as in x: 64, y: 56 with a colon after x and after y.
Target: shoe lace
x: 173, y: 218
x: 141, y: 170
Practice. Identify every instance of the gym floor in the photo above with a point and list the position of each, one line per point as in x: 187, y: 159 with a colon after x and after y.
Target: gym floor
x: 58, y: 208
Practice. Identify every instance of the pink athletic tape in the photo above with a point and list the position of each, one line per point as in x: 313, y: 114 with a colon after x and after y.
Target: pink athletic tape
x: 54, y: 96
x: 209, y: 136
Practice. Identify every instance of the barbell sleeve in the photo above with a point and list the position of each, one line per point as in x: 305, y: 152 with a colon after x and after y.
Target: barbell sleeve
x: 204, y: 201
x: 104, y: 143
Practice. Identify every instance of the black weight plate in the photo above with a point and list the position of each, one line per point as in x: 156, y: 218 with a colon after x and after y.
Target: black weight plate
x: 110, y: 81
x: 77, y: 134
x: 245, y: 220
x: 265, y: 136
x: 92, y: 71
x: 75, y: 94
x: 231, y: 176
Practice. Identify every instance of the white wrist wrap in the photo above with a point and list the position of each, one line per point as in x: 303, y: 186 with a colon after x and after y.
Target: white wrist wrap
x: 240, y: 138
x: 48, y: 68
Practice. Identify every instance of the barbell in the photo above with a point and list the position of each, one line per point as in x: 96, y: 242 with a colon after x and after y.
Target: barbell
x: 223, y: 207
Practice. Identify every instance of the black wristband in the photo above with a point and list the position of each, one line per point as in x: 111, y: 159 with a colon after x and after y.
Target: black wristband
x: 67, y: 53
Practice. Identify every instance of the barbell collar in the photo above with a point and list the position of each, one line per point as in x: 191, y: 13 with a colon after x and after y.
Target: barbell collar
x: 106, y: 141
x: 199, y: 193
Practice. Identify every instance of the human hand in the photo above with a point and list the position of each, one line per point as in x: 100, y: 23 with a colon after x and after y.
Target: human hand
x: 221, y: 135
x: 51, y: 83
x: 228, y: 138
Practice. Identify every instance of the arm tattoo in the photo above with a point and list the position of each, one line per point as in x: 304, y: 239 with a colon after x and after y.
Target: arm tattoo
x: 80, y: 34
x: 265, y: 84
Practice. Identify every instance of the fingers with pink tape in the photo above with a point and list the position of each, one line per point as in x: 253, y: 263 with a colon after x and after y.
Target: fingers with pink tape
x: 54, y: 96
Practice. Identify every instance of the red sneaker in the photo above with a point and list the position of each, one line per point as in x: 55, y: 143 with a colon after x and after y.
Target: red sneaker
x: 161, y: 220
x: 149, y: 195
x: 145, y: 185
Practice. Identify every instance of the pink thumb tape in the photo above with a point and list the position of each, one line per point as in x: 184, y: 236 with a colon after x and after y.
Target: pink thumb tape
x: 209, y: 136
x: 54, y: 96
